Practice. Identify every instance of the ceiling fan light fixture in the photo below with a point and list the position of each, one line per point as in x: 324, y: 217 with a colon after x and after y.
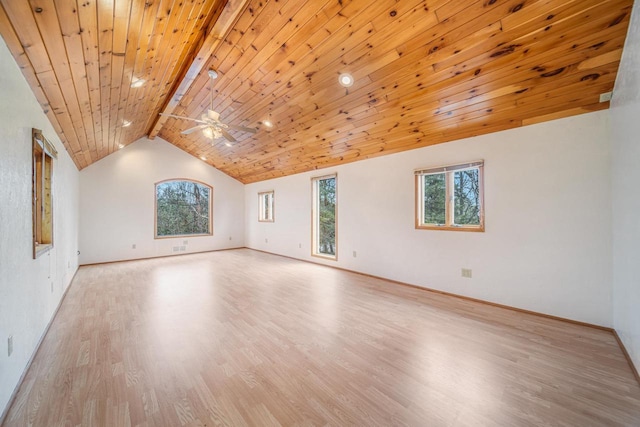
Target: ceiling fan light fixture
x: 208, y: 132
x: 209, y: 123
x: 345, y: 80
x: 137, y: 83
x: 268, y: 123
x: 212, y: 132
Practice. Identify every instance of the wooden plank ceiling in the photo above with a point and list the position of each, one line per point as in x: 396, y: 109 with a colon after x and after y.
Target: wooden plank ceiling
x: 426, y: 72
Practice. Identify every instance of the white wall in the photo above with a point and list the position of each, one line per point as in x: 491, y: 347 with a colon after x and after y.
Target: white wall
x: 30, y: 290
x: 548, y: 208
x: 625, y: 125
x: 117, y: 197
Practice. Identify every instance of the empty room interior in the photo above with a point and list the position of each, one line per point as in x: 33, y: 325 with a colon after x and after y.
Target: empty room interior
x: 319, y: 212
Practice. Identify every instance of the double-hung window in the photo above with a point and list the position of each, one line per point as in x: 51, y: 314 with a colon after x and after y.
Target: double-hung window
x: 450, y: 197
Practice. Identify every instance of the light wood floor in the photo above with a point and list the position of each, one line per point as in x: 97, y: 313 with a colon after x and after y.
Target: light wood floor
x: 245, y: 338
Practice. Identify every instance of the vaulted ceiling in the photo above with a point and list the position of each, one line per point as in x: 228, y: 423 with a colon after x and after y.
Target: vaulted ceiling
x: 426, y: 72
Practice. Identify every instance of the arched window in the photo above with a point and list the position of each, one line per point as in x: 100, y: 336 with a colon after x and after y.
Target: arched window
x: 183, y: 208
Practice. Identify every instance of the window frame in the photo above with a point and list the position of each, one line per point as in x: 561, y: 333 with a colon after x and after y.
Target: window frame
x: 314, y: 220
x: 155, y: 209
x: 261, y: 205
x: 449, y: 172
x: 43, y: 154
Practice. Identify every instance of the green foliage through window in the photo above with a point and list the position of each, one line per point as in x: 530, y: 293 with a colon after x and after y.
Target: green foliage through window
x: 466, y: 197
x: 182, y: 208
x: 450, y: 197
x: 435, y: 195
x: 325, y: 216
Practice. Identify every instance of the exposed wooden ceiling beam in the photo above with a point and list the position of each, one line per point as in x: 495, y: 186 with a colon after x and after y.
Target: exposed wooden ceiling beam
x: 212, y: 40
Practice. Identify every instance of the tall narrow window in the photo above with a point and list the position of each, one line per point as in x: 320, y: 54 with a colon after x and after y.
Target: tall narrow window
x: 183, y: 208
x: 265, y: 206
x: 324, y: 221
x: 450, y: 197
x: 42, y: 176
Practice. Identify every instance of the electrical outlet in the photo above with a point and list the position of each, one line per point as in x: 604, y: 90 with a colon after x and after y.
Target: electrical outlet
x: 355, y: 254
x: 229, y: 237
x: 10, y: 345
x: 133, y: 246
x: 466, y: 272
x: 300, y: 245
x: 266, y: 240
x: 51, y: 287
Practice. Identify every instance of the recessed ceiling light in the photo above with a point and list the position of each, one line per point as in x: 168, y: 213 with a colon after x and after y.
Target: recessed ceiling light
x: 228, y: 144
x: 120, y: 145
x: 203, y: 158
x: 346, y: 80
x: 268, y: 123
x: 137, y: 83
x: 126, y: 124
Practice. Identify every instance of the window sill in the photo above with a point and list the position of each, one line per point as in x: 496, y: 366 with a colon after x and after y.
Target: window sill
x: 479, y: 229
x: 41, y: 249
x: 327, y: 257
x: 266, y: 220
x: 182, y: 236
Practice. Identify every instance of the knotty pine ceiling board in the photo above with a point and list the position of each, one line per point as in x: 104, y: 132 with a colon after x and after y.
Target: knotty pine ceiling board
x: 426, y: 72
x: 80, y: 58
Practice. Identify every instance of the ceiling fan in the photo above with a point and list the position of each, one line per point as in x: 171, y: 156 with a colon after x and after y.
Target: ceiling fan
x: 210, y: 123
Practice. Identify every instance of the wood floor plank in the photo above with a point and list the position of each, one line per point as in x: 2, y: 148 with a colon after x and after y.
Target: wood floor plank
x: 244, y: 338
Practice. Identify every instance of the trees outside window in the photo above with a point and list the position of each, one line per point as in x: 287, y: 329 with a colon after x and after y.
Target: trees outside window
x: 183, y: 208
x: 450, y: 197
x: 324, y: 221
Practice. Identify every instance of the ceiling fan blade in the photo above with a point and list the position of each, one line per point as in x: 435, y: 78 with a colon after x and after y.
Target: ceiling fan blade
x: 227, y: 136
x: 242, y: 129
x: 193, y: 129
